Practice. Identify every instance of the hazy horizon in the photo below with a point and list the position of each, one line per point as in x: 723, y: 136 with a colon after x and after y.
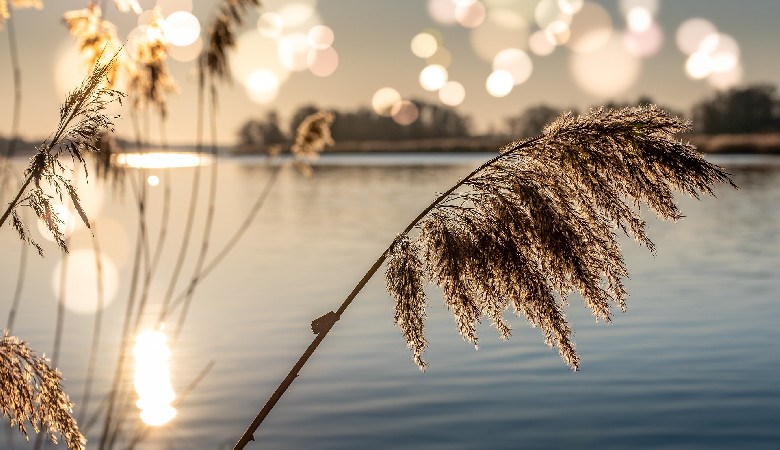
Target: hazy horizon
x: 372, y: 39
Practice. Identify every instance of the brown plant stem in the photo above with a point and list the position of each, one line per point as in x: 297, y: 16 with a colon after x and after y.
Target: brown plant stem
x: 328, y: 324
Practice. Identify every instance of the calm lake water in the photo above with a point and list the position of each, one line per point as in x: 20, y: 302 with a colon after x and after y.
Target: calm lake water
x: 694, y: 363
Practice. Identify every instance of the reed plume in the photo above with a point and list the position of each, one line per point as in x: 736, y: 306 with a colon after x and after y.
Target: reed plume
x: 221, y: 37
x: 532, y: 225
x: 96, y: 36
x: 82, y: 119
x: 21, y: 4
x: 32, y: 392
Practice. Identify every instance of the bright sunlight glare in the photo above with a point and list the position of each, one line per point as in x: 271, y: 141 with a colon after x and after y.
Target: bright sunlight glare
x: 152, y: 378
x: 161, y: 160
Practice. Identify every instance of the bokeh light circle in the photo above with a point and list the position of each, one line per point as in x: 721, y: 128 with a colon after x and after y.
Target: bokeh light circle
x: 262, y: 85
x: 81, y: 278
x: 590, y: 29
x: 293, y: 51
x: 539, y: 43
x: 433, y: 77
x: 181, y: 28
x: 270, y: 24
x: 470, y: 14
x: 692, y: 33
x: 499, y: 83
x: 322, y: 63
x: 404, y: 112
x: 187, y: 53
x: 320, y: 37
x: 502, y: 28
x: 442, y: 11
x: 646, y: 43
x: 516, y: 62
x: 452, y: 93
x: 442, y: 57
x: 608, y: 71
x: 383, y: 100
x: 424, y: 45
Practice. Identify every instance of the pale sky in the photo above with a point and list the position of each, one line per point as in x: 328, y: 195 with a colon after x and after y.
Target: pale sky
x: 373, y: 42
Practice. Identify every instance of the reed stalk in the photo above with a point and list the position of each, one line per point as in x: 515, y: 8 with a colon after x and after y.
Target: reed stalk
x: 531, y: 225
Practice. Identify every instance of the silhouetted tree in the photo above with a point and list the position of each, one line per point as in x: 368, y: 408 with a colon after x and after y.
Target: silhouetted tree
x: 754, y: 109
x: 266, y: 132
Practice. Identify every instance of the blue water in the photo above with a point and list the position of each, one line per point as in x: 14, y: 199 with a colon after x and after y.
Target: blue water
x: 694, y: 363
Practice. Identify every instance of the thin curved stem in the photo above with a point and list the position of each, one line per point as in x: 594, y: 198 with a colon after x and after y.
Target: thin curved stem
x: 332, y: 318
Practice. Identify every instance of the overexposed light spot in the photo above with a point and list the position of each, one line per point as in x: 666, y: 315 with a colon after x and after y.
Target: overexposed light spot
x: 470, y: 15
x: 187, y: 53
x: 500, y: 83
x: 724, y: 51
x: 384, y: 99
x: 293, y: 51
x: 181, y: 28
x: 608, y: 71
x: 516, y: 62
x: 161, y: 160
x: 66, y: 221
x: 639, y: 19
x: 81, y: 281
x: 270, y: 24
x: 404, y: 112
x: 442, y: 57
x: 646, y: 43
x: 549, y: 11
x: 540, y: 44
x: 442, y: 11
x: 692, y: 33
x: 570, y: 7
x: 168, y: 7
x: 152, y: 378
x: 698, y: 65
x: 153, y: 180
x: 294, y: 14
x: 728, y: 79
x: 262, y: 85
x: 320, y: 37
x: 557, y: 33
x: 433, y: 77
x: 254, y: 52
x: 68, y: 73
x: 651, y: 6
x: 424, y: 45
x: 502, y: 28
x: 590, y: 29
x: 452, y: 93
x: 322, y: 63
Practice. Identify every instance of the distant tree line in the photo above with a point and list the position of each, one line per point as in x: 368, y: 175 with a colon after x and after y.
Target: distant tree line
x: 434, y: 121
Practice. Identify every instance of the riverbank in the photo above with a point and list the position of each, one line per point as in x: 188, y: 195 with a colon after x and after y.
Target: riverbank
x: 765, y: 143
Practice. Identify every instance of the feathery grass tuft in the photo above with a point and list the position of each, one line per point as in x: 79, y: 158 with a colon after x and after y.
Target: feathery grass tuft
x: 540, y: 221
x: 221, y: 37
x: 82, y: 121
x: 32, y: 392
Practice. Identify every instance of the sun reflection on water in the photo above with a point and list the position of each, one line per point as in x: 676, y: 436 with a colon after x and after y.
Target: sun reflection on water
x: 152, y: 379
x: 162, y: 160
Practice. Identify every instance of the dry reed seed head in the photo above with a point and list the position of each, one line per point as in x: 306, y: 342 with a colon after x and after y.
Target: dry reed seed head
x: 4, y: 14
x: 151, y: 79
x: 540, y: 220
x: 405, y: 281
x: 82, y: 121
x: 313, y: 134
x: 221, y: 37
x: 96, y: 37
x: 32, y: 394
